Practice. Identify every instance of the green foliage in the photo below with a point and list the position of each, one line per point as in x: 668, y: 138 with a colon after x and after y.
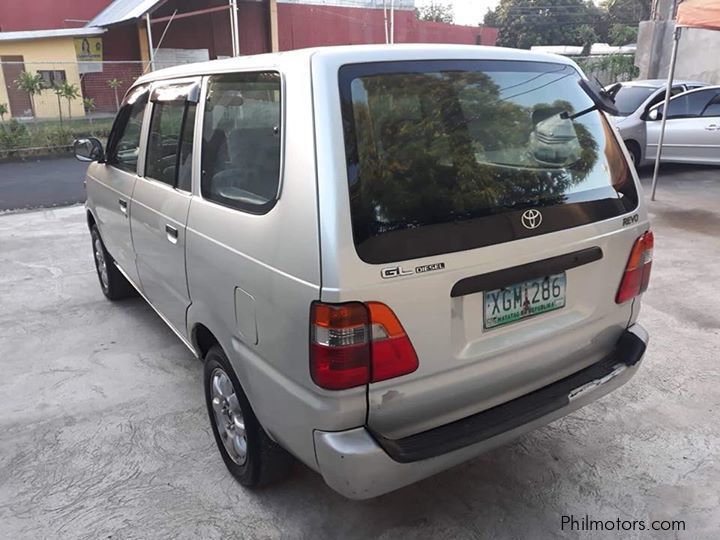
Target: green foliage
x: 622, y: 34
x: 626, y: 11
x: 70, y: 92
x: 89, y: 104
x: 3, y: 111
x: 587, y: 36
x: 524, y: 23
x: 115, y: 84
x: 47, y: 137
x: 610, y: 68
x: 437, y: 12
x: 15, y: 135
x: 27, y: 82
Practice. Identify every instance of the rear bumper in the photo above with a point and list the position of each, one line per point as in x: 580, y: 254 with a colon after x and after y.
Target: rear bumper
x: 361, y: 465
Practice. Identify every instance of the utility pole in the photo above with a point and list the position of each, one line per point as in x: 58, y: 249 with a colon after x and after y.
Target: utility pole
x: 392, y: 21
x: 151, y: 51
x: 385, y: 22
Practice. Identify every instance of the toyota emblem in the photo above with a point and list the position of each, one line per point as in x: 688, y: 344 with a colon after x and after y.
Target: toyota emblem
x: 531, y: 219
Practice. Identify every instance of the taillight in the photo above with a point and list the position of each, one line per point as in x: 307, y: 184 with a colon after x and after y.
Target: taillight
x: 637, y: 272
x: 353, y: 344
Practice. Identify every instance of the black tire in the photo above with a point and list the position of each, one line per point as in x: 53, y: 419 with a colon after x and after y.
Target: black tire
x: 115, y: 286
x: 634, y: 151
x: 265, y: 462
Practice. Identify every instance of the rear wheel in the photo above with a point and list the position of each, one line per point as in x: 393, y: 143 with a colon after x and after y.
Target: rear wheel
x: 249, y: 454
x: 113, y: 284
x: 634, y: 151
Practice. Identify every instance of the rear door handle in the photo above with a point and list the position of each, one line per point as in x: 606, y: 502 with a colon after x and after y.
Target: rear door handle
x: 123, y: 206
x: 712, y: 127
x: 172, y: 234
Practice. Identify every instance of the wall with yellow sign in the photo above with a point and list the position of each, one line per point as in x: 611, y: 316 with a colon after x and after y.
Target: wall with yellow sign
x: 54, y: 58
x: 89, y: 53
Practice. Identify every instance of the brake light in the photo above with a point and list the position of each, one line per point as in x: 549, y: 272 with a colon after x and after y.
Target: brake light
x: 637, y: 272
x: 353, y: 344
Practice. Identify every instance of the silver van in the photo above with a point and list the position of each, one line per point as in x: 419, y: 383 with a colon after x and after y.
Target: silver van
x: 389, y: 258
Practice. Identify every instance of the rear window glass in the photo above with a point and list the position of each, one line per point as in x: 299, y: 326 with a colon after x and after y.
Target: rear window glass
x: 445, y: 156
x: 629, y: 98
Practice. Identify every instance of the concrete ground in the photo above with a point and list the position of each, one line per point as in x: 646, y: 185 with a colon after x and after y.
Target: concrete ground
x: 42, y: 182
x: 104, y: 434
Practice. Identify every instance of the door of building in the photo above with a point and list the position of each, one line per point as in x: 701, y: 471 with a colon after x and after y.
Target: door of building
x: 20, y: 104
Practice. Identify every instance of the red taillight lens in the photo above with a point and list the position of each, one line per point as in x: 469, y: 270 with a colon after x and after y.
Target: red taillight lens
x: 637, y: 272
x: 339, y: 345
x: 353, y: 344
x: 392, y: 352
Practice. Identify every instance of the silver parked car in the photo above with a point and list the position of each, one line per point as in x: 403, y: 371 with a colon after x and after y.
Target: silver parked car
x: 633, y: 100
x: 692, y: 129
x: 390, y: 259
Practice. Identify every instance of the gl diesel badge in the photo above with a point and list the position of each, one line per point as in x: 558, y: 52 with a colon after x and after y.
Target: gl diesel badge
x: 395, y: 271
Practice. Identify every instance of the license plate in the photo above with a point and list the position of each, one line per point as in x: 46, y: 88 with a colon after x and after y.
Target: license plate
x: 523, y: 300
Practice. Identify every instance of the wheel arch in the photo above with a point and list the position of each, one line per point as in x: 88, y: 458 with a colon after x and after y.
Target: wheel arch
x: 202, y: 339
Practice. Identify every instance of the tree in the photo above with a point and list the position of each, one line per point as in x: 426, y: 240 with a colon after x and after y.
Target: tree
x: 524, y: 23
x: 58, y: 94
x: 587, y: 36
x: 70, y: 92
x: 437, y: 12
x: 115, y: 84
x: 622, y: 34
x: 32, y: 84
x: 628, y: 12
x: 89, y: 106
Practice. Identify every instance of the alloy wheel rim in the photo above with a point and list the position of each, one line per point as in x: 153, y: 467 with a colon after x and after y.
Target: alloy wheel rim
x: 228, y: 416
x: 100, y: 263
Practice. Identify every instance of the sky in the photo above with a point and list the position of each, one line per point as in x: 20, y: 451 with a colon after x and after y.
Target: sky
x: 470, y: 12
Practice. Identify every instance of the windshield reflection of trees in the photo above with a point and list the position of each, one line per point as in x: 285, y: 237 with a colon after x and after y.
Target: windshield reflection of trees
x: 420, y: 153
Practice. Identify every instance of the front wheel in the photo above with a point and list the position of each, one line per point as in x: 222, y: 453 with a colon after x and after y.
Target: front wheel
x: 113, y: 284
x: 249, y: 454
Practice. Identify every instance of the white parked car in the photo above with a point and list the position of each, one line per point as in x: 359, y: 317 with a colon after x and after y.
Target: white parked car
x: 692, y: 129
x: 633, y: 100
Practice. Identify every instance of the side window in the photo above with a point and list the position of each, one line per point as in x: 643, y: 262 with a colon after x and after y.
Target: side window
x: 690, y: 104
x: 713, y: 108
x: 674, y: 91
x: 124, y: 140
x: 241, y: 141
x: 169, y: 152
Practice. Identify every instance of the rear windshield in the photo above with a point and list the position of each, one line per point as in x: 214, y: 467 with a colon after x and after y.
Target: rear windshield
x: 629, y: 98
x: 445, y: 156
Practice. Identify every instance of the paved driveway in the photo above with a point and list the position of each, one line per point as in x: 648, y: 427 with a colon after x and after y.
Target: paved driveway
x: 41, y: 183
x: 103, y: 431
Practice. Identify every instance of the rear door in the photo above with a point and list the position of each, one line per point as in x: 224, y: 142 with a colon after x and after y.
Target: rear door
x: 488, y: 220
x: 162, y: 199
x: 692, y: 129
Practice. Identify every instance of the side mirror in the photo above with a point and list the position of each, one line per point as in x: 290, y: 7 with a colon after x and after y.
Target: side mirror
x: 89, y: 149
x: 655, y: 114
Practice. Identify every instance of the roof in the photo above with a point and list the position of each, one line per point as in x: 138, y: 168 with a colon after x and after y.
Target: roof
x: 123, y: 10
x: 354, y: 54
x: 658, y: 83
x: 59, y: 32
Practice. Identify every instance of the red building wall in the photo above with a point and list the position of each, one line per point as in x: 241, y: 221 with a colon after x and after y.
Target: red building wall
x: 302, y: 25
x: 16, y: 15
